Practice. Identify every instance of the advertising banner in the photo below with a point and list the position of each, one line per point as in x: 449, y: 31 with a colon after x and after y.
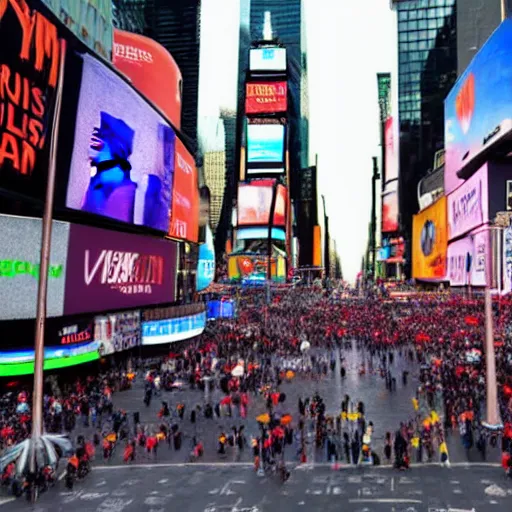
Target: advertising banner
x: 265, y: 97
x: 123, y: 153
x: 477, y: 109
x: 151, y: 69
x: 390, y: 208
x: 206, y: 262
x: 220, y: 309
x: 108, y: 270
x: 173, y: 329
x: 267, y: 59
x: 20, y: 252
x: 29, y: 70
x: 117, y: 331
x: 481, y: 254
x: 265, y: 143
x: 430, y: 241
x: 390, y: 148
x: 77, y: 331
x: 255, y: 201
x: 185, y: 197
x: 254, y: 268
x: 507, y: 259
x: 460, y: 262
x: 468, y: 206
x: 89, y: 20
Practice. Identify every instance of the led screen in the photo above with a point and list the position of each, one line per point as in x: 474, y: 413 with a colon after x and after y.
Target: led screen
x: 265, y: 97
x: 220, y: 309
x: 123, y: 154
x: 173, y: 329
x: 206, y: 262
x: 255, y: 201
x: 117, y: 331
x: 260, y: 233
x: 265, y: 143
x: 390, y: 212
x: 267, y: 59
x: 391, y: 156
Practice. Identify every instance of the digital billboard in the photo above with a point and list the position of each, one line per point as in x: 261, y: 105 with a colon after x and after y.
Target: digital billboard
x: 477, y: 109
x: 29, y: 70
x: 507, y: 259
x: 122, y: 163
x: 89, y: 20
x: 390, y: 150
x: 468, y: 205
x: 265, y: 143
x: 20, y: 252
x: 185, y: 197
x: 430, y: 242
x: 254, y: 267
x: 152, y: 71
x: 260, y: 233
x: 460, y: 262
x: 206, y: 262
x: 117, y: 331
x: 265, y: 97
x: 390, y: 208
x: 267, y: 59
x: 221, y: 309
x: 255, y: 201
x: 173, y: 329
x: 109, y: 270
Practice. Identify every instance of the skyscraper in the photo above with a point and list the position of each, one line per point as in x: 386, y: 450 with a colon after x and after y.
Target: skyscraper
x: 175, y: 25
x: 427, y: 69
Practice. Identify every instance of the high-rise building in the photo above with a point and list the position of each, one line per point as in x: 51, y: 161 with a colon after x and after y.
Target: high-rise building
x: 176, y: 26
x: 427, y: 70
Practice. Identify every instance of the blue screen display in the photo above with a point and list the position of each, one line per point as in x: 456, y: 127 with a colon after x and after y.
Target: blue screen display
x: 173, y: 329
x: 206, y: 262
x: 265, y: 143
x: 220, y: 309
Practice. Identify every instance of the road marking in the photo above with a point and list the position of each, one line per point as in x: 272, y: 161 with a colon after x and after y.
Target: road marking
x: 495, y: 490
x: 393, y: 484
x: 4, y: 501
x: 62, y: 475
x: 384, y: 500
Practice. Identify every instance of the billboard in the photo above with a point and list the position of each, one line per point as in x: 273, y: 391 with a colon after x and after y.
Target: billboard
x: 185, y: 196
x: 206, y: 262
x: 29, y: 68
x: 253, y: 268
x: 507, y: 259
x: 477, y: 109
x: 20, y: 251
x: 255, y: 201
x: 460, y: 262
x: 390, y: 151
x: 109, y: 270
x: 152, y: 71
x: 468, y: 205
x: 173, y: 329
x: 265, y: 143
x: 89, y: 20
x: 267, y: 59
x: 221, y: 309
x: 265, y: 97
x: 117, y: 331
x: 390, y: 209
x: 430, y: 241
x: 481, y: 255
x: 260, y: 233
x: 123, y: 153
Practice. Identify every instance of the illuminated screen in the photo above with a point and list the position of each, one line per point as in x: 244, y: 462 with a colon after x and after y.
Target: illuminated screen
x: 267, y: 59
x: 390, y: 212
x: 265, y: 97
x: 265, y: 143
x: 391, y: 157
x: 255, y: 201
x: 122, y: 163
x: 173, y: 329
x: 22, y: 362
x: 206, y: 262
x: 260, y: 233
x: 220, y: 309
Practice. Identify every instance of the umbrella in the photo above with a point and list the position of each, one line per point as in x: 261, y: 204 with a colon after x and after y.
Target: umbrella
x: 286, y: 419
x: 49, y: 447
x: 305, y: 346
x: 263, y: 418
x: 237, y: 371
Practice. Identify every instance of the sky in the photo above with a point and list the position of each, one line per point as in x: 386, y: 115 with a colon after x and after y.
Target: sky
x: 348, y: 43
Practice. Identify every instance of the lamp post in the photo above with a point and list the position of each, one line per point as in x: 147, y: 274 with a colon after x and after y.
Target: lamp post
x: 373, y: 233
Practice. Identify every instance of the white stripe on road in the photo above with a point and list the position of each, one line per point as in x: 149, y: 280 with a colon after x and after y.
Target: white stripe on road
x: 62, y: 475
x: 6, y: 500
x: 384, y: 500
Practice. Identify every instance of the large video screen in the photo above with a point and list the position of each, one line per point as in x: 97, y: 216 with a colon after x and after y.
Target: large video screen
x: 265, y: 143
x: 265, y: 97
x: 173, y: 329
x: 123, y: 154
x: 390, y: 210
x: 255, y: 201
x: 267, y: 59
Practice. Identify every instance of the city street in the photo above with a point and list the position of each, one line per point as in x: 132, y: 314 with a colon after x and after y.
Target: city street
x: 214, y: 488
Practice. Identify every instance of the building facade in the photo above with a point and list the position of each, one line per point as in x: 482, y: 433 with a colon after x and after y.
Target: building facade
x: 427, y: 70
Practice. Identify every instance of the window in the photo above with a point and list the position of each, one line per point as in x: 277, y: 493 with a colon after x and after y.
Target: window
x: 431, y: 13
x: 412, y: 25
x: 423, y: 45
x: 422, y: 24
x: 413, y: 46
x: 402, y: 26
x: 402, y: 36
x: 432, y: 23
x: 402, y: 15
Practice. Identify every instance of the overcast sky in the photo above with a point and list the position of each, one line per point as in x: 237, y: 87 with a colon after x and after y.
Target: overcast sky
x: 348, y: 43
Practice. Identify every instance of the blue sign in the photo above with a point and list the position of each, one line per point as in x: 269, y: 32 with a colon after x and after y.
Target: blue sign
x: 206, y: 262
x: 478, y: 109
x: 265, y: 143
x: 173, y: 329
x: 220, y: 309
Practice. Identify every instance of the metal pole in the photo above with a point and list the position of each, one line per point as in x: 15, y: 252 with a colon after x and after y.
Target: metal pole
x: 373, y: 234
x: 44, y: 262
x: 504, y: 13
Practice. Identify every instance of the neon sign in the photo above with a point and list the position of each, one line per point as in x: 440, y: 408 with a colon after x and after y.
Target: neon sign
x: 13, y: 268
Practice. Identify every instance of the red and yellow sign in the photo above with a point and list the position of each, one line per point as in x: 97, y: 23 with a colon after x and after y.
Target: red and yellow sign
x: 265, y: 97
x: 430, y: 242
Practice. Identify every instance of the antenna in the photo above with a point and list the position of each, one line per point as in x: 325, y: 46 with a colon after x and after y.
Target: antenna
x: 267, y: 26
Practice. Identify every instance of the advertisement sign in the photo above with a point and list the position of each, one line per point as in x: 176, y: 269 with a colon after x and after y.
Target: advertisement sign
x: 29, y: 68
x: 507, y: 259
x: 390, y: 209
x: 468, y: 206
x: 123, y: 154
x: 89, y: 20
x: 185, y: 197
x: 481, y: 253
x: 220, y: 309
x: 117, y: 331
x: 20, y: 252
x: 430, y: 242
x: 173, y: 329
x: 267, y: 59
x: 477, y: 109
x: 206, y: 262
x: 254, y: 267
x: 255, y: 201
x: 260, y: 233
x: 108, y: 270
x: 76, y: 332
x: 384, y: 95
x: 460, y: 262
x: 152, y: 71
x: 265, y: 97
x: 390, y: 151
x: 265, y: 143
